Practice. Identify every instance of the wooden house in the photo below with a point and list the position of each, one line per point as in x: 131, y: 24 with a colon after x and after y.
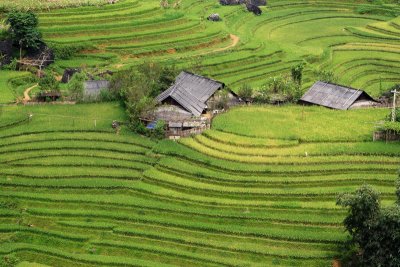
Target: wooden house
x: 189, y: 104
x: 196, y: 94
x: 336, y: 97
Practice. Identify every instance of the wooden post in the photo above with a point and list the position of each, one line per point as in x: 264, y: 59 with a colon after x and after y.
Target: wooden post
x: 394, y: 104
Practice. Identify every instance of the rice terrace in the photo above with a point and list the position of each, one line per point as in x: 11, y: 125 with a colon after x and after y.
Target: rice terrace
x: 199, y: 133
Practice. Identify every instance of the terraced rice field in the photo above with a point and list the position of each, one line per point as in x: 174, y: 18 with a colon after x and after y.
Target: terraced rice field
x: 8, y: 93
x: 361, y: 49
x: 75, y: 193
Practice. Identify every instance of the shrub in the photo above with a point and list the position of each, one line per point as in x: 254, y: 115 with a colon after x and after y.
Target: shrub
x: 281, y: 88
x: 297, y: 73
x: 66, y: 51
x: 49, y: 83
x: 76, y: 86
x: 9, y: 261
x: 245, y: 92
x: 327, y: 76
x: 159, y: 130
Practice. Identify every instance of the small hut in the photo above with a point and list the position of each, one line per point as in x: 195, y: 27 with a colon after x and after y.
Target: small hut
x: 195, y: 94
x: 189, y: 104
x: 336, y: 97
x: 93, y: 88
x: 48, y: 96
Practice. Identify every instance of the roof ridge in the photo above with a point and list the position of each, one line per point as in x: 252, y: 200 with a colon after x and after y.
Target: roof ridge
x: 341, y: 85
x: 203, y: 77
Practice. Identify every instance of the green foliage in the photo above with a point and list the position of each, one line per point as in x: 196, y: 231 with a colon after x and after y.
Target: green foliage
x: 11, y: 66
x: 397, y: 117
x: 377, y: 9
x: 10, y: 260
x: 76, y: 86
x: 245, y: 92
x: 66, y: 51
x: 391, y: 126
x: 221, y: 99
x: 23, y: 29
x: 159, y: 131
x: 297, y: 73
x: 327, y: 76
x: 375, y: 231
x: 49, y: 83
x: 107, y: 96
x: 364, y: 209
x: 279, y: 89
x: 4, y: 29
x: 138, y: 87
x: 148, y: 79
x: 138, y: 105
x: 398, y: 190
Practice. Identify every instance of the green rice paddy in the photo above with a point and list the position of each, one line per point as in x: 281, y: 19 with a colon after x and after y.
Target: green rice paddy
x: 76, y: 193
x: 361, y: 49
x: 258, y: 189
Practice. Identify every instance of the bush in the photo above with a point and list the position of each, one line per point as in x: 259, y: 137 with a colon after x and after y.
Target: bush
x: 327, y: 76
x: 49, y: 83
x: 9, y: 261
x: 279, y: 88
x: 397, y: 116
x: 66, y: 51
x: 245, y: 92
x: 159, y: 130
x: 12, y: 66
x: 107, y: 96
x: 76, y: 86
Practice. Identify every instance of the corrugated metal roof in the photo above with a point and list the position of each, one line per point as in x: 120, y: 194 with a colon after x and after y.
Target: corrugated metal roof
x: 332, y: 95
x: 191, y: 91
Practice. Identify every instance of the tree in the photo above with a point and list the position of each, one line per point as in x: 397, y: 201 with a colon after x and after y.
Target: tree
x: 76, y: 86
x: 23, y: 29
x: 375, y: 231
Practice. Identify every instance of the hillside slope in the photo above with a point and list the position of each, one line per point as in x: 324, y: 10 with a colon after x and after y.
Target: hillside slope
x: 75, y: 193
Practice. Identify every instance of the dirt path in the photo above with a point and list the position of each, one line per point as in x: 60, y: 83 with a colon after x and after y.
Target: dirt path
x: 235, y: 40
x: 26, y: 93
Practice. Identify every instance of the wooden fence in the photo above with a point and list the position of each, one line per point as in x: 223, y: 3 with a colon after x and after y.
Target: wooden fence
x: 388, y: 136
x: 176, y: 133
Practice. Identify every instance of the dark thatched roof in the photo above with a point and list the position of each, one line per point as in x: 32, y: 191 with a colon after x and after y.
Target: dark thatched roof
x: 333, y: 96
x: 191, y: 91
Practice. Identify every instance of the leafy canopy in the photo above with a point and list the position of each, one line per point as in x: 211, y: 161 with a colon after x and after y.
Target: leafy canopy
x: 375, y: 231
x: 23, y: 29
